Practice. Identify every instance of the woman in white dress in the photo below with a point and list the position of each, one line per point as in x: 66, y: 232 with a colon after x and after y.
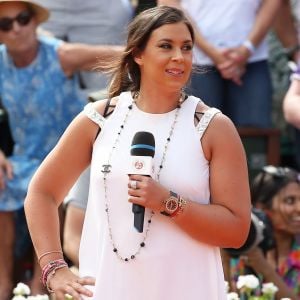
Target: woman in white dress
x: 196, y: 201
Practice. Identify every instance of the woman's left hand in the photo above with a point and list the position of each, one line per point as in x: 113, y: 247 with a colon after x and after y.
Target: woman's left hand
x: 145, y: 191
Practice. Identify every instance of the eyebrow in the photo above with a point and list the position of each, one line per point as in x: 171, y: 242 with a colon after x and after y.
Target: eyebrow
x: 170, y: 40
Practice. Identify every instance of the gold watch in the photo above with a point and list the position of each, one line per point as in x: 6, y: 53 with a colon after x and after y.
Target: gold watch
x: 171, y: 205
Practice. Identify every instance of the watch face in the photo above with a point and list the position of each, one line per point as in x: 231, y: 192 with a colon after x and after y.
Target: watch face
x: 172, y: 205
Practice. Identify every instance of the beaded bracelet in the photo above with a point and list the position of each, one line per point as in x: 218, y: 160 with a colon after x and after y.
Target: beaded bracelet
x: 50, y: 268
x: 51, y: 274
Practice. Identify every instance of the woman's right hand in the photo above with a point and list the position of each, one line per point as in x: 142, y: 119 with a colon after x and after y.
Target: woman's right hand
x: 6, y: 170
x: 64, y: 282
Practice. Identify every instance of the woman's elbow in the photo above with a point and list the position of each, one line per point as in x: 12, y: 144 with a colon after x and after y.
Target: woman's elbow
x: 241, y: 233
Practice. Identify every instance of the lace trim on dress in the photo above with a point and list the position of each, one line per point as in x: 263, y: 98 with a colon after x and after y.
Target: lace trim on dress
x: 206, y: 118
x: 93, y: 115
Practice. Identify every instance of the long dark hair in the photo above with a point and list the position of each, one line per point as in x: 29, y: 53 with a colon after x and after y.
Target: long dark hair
x: 125, y: 72
x: 269, y: 182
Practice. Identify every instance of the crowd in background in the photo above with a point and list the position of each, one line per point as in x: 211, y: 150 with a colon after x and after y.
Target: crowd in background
x: 242, y: 67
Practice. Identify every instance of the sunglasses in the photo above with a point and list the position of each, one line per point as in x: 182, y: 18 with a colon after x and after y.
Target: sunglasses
x: 281, y: 172
x: 23, y: 18
x: 281, y: 176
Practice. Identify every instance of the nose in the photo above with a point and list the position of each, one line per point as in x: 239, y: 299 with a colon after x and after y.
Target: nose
x: 16, y: 26
x: 297, y: 205
x: 177, y: 55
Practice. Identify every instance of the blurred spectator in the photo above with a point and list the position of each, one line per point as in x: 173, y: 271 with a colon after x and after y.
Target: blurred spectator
x: 39, y: 91
x: 291, y: 103
x: 92, y: 22
x: 288, y: 30
x: 144, y: 4
x: 75, y: 203
x: 231, y: 46
x: 276, y: 191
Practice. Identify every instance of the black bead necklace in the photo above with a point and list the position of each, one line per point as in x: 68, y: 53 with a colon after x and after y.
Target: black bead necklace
x: 106, y: 170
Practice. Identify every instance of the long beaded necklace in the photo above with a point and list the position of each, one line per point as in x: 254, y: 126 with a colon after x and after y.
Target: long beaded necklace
x: 106, y: 171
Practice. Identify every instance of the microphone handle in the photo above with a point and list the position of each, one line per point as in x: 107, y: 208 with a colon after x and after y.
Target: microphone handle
x: 139, y: 214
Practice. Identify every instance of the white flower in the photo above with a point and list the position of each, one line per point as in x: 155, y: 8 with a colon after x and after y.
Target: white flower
x: 232, y: 296
x: 18, y: 297
x: 247, y: 281
x: 285, y: 299
x: 269, y: 288
x: 226, y: 286
x: 38, y: 297
x: 21, y: 289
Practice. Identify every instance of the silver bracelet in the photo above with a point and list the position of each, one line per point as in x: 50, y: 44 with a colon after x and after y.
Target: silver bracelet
x: 249, y: 45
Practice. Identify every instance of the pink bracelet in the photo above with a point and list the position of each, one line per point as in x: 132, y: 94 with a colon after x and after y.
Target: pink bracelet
x: 52, y: 266
x: 51, y: 274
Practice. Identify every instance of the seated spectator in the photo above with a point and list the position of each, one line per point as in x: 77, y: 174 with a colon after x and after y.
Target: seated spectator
x: 39, y: 91
x: 276, y: 191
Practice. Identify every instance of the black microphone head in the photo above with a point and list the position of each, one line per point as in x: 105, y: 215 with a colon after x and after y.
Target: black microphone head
x: 143, y: 144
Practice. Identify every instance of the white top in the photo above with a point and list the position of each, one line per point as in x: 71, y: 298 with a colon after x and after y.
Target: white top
x: 172, y: 265
x: 224, y: 24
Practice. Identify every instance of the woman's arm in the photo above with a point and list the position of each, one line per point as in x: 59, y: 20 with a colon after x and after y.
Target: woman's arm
x: 264, y: 20
x: 291, y: 104
x: 285, y: 28
x: 84, y: 57
x: 46, y: 191
x: 225, y: 221
x: 6, y: 170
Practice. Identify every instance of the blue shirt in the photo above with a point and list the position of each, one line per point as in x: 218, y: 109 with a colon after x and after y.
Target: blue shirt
x: 40, y: 101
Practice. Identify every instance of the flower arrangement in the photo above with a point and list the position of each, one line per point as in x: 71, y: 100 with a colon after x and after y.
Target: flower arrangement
x: 250, y: 289
x: 22, y: 292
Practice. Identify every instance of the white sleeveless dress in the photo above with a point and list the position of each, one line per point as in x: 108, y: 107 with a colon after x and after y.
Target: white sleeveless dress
x: 172, y: 265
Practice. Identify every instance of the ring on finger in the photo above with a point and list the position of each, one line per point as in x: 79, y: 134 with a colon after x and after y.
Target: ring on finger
x: 133, y: 184
x: 68, y: 297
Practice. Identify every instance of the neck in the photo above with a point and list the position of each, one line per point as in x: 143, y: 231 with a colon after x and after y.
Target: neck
x: 23, y: 59
x: 283, y: 243
x: 157, y: 102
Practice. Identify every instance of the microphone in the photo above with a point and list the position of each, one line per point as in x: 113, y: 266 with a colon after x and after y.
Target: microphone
x: 142, y: 152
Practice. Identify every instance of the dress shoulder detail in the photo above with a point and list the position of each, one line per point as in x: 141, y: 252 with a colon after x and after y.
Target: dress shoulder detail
x: 93, y: 115
x: 205, y: 120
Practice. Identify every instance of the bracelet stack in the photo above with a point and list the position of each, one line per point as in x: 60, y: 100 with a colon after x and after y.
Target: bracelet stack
x: 49, y: 270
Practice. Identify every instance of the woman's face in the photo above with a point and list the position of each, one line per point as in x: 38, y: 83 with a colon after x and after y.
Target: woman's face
x: 166, y: 61
x: 21, y: 36
x: 285, y: 211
